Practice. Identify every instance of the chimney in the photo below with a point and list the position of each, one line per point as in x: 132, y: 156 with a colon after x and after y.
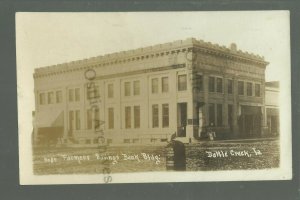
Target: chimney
x: 233, y: 47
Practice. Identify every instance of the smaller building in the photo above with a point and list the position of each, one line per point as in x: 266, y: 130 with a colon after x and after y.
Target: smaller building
x: 272, y: 107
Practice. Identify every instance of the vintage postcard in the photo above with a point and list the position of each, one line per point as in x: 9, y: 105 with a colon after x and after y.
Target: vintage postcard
x: 124, y: 97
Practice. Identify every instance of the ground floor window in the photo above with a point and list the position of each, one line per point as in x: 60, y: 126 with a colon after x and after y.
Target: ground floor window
x: 74, y: 119
x: 127, y: 117
x: 165, y: 115
x: 211, y: 114
x: 110, y: 118
x: 219, y: 114
x: 230, y: 116
x: 155, y: 121
x: 89, y: 119
x: 136, y: 116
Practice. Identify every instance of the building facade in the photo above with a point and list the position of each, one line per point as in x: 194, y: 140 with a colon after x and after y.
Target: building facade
x: 148, y: 94
x: 272, y: 108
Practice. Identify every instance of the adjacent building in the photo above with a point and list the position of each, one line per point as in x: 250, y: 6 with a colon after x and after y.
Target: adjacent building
x: 146, y: 95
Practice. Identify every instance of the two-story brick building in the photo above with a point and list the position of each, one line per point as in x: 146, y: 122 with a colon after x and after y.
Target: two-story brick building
x: 147, y: 94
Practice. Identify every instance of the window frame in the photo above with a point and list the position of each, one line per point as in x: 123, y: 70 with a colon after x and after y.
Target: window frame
x: 219, y: 88
x: 154, y: 88
x: 155, y: 116
x: 137, y: 116
x: 241, y: 83
x: 182, y: 86
x: 136, y: 88
x: 165, y: 116
x: 127, y: 89
x: 211, y: 84
x: 249, y: 92
x: 165, y: 84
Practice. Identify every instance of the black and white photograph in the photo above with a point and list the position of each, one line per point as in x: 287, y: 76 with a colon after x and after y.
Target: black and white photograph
x: 162, y: 96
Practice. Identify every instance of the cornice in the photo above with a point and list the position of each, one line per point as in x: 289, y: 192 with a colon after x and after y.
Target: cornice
x: 150, y: 52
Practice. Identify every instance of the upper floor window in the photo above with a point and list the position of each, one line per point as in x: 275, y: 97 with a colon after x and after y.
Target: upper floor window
x: 198, y: 82
x: 110, y: 90
x: 71, y: 95
x: 127, y: 86
x: 182, y: 82
x: 42, y: 98
x: 77, y: 94
x: 219, y: 85
x: 164, y: 84
x: 155, y: 85
x: 257, y: 90
x: 92, y: 91
x: 241, y: 87
x: 249, y: 89
x: 136, y: 87
x: 229, y: 86
x: 50, y: 97
x: 211, y: 84
x: 58, y: 96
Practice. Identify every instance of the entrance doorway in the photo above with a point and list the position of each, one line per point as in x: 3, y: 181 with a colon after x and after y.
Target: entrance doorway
x: 181, y: 119
x: 250, y: 121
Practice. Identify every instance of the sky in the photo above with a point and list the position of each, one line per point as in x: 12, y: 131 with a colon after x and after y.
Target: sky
x: 52, y: 38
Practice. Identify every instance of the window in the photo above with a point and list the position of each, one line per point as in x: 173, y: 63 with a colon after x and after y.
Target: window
x: 155, y: 122
x: 97, y: 118
x: 71, y: 120
x: 92, y: 91
x: 219, y: 85
x: 165, y: 84
x: 165, y: 115
x: 241, y: 88
x: 77, y: 94
x: 249, y: 89
x: 257, y: 90
x: 229, y: 86
x: 42, y: 98
x: 58, y: 96
x: 198, y: 82
x: 50, y: 97
x: 154, y: 85
x: 136, y: 88
x: 77, y: 113
x: 211, y: 114
x: 127, y: 117
x: 219, y: 114
x: 230, y: 116
x: 136, y: 116
x: 110, y: 118
x: 71, y: 95
x: 89, y: 119
x: 211, y: 84
x: 127, y: 89
x: 182, y: 82
x: 110, y: 90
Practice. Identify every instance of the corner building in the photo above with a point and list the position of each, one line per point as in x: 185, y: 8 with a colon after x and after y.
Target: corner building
x: 146, y: 95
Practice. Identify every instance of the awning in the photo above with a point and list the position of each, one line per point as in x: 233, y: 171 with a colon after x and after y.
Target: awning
x: 50, y: 118
x: 272, y: 111
x: 50, y: 133
x: 251, y: 110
